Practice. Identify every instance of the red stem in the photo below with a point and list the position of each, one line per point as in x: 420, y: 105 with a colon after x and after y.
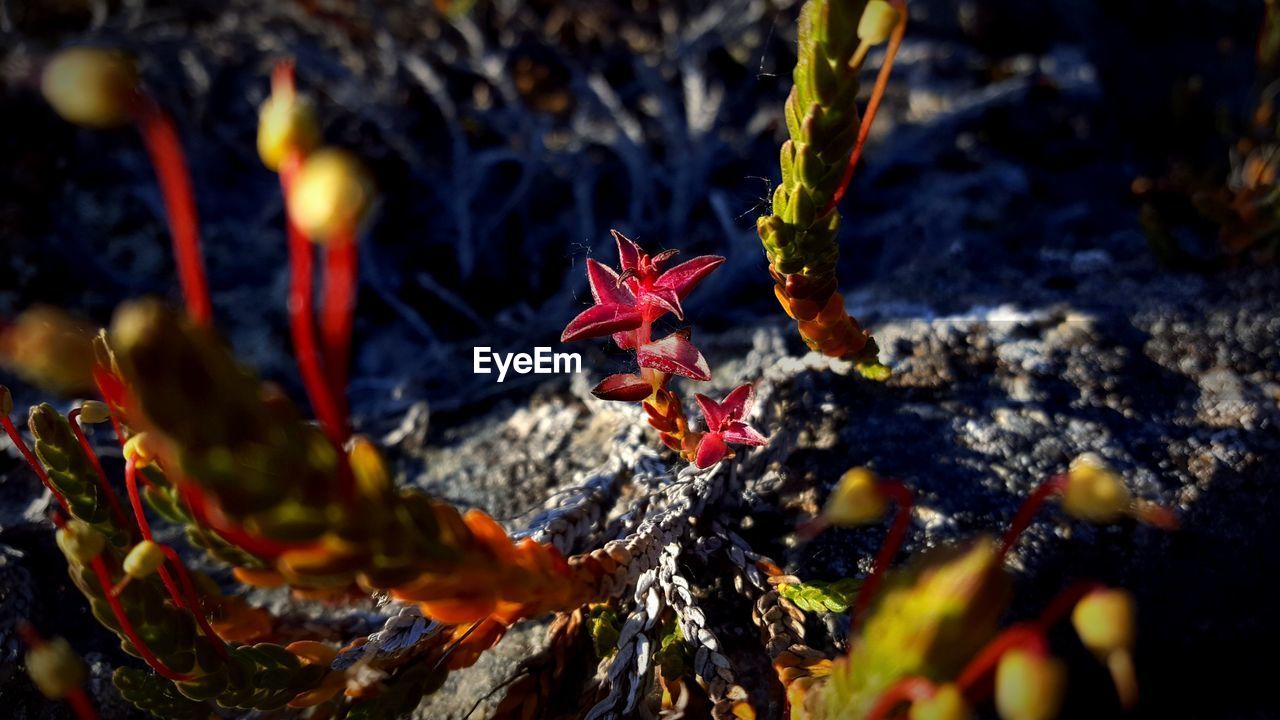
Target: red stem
x: 902, y: 496
x: 104, y: 580
x: 1065, y: 600
x: 1030, y: 507
x: 165, y: 148
x: 341, y: 262
x: 193, y: 601
x: 1023, y: 635
x: 73, y: 418
x: 131, y: 484
x: 252, y: 544
x: 31, y: 460
x: 906, y: 690
x: 302, y: 320
x: 873, y: 104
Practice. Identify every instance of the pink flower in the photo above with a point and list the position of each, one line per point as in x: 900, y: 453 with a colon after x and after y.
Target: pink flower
x: 642, y: 293
x: 672, y: 355
x: 725, y: 425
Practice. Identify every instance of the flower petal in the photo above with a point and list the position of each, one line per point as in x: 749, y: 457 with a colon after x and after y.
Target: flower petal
x: 683, y: 277
x: 604, y: 285
x: 628, y: 252
x: 675, y: 355
x: 737, y: 404
x: 668, y: 300
x: 710, y: 451
x: 711, y: 411
x: 740, y: 433
x: 601, y: 320
x: 624, y: 387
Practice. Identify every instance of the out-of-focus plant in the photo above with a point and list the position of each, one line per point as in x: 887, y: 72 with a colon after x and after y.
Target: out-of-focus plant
x: 928, y: 645
x: 1241, y: 198
x: 818, y: 161
x: 627, y: 304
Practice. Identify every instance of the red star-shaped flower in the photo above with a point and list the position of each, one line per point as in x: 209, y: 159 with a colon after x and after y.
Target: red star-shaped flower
x: 642, y: 293
x: 725, y: 425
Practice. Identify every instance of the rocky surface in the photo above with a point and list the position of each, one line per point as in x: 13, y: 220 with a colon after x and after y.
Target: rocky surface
x: 992, y: 248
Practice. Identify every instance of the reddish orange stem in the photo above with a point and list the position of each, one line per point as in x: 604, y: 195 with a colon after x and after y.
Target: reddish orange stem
x: 974, y: 680
x: 32, y: 461
x: 131, y: 485
x: 873, y: 104
x: 165, y: 148
x: 1030, y: 507
x: 903, y: 498
x: 906, y: 690
x: 204, y: 515
x: 193, y: 601
x: 341, y: 262
x: 73, y: 418
x: 104, y: 580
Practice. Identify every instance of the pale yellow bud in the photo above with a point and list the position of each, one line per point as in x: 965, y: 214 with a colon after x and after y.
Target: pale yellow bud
x: 368, y: 468
x: 947, y: 703
x: 1105, y: 622
x: 877, y: 22
x: 55, y: 668
x: 286, y: 122
x: 80, y: 541
x: 144, y: 559
x: 330, y: 195
x: 91, y: 86
x: 1029, y: 686
x: 138, y: 449
x: 1094, y: 492
x: 93, y: 412
x: 856, y: 499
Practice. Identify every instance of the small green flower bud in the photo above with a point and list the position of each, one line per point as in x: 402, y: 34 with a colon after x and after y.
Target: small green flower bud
x: 55, y: 668
x: 91, y: 86
x: 144, y: 559
x: 877, y: 23
x: 947, y: 703
x: 1094, y: 492
x: 1029, y: 686
x: 330, y: 195
x: 1104, y: 620
x: 94, y: 412
x: 286, y: 121
x: 856, y: 499
x: 80, y: 541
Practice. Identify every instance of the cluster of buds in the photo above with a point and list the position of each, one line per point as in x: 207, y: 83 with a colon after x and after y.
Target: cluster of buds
x: 817, y: 162
x: 627, y: 304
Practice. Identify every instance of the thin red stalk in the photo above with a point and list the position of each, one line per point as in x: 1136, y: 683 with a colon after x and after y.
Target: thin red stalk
x: 165, y: 148
x: 76, y: 698
x: 252, y: 544
x: 1063, y: 603
x: 341, y: 262
x: 104, y: 580
x: 901, y: 496
x: 131, y: 484
x: 906, y: 690
x: 302, y: 320
x: 193, y: 601
x: 32, y: 461
x: 1028, y: 511
x: 873, y: 104
x: 1023, y: 635
x: 73, y: 418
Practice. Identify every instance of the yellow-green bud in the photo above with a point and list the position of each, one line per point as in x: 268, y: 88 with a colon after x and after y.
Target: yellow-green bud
x: 80, y: 541
x: 138, y: 449
x: 1094, y: 492
x: 91, y: 86
x: 877, y: 22
x: 6, y: 401
x: 286, y: 121
x: 94, y: 412
x: 1104, y: 620
x: 947, y: 703
x: 145, y: 558
x: 55, y: 668
x: 1029, y: 686
x: 368, y: 468
x: 330, y: 195
x: 856, y: 499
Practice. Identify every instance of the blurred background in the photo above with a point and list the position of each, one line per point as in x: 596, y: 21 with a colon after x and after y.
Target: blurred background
x: 507, y: 137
